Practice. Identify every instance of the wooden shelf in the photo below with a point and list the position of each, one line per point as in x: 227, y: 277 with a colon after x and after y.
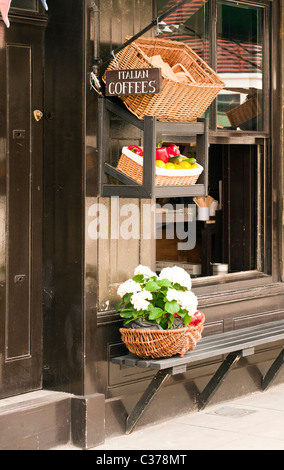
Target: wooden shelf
x: 154, y: 131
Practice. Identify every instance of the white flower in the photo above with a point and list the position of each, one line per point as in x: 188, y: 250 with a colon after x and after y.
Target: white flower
x: 127, y: 287
x: 144, y: 270
x: 176, y: 275
x: 186, y: 300
x: 173, y: 294
x: 139, y: 300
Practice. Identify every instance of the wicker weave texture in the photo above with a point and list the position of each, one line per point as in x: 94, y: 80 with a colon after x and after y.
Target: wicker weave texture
x: 177, y: 101
x: 244, y: 112
x: 135, y: 171
x: 147, y: 343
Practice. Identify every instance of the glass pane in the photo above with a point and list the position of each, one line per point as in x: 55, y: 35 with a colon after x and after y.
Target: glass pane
x: 186, y: 24
x: 240, y: 65
x: 24, y: 4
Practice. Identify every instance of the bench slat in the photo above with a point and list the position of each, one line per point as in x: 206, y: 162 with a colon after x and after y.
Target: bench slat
x: 205, y: 351
x: 212, y: 346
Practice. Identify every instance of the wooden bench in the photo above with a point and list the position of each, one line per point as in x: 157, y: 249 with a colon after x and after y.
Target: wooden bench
x: 233, y: 345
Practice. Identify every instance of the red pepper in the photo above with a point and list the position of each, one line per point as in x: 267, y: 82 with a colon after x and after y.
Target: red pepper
x: 165, y: 152
x: 170, y: 152
x: 136, y: 149
x: 162, y: 154
x: 174, y: 150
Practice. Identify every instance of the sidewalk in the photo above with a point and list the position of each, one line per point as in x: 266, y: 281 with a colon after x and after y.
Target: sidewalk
x: 253, y: 422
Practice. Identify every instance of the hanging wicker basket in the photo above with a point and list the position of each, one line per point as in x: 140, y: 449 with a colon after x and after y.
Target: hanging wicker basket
x: 178, y: 101
x: 154, y: 344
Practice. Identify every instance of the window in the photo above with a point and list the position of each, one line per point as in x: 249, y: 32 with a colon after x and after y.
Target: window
x: 232, y: 37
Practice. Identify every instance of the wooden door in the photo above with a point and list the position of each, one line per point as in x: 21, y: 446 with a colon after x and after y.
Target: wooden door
x: 21, y: 84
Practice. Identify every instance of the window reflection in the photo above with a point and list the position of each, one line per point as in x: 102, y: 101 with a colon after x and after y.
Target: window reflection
x: 239, y: 64
x: 24, y: 4
x: 186, y: 24
x: 238, y: 54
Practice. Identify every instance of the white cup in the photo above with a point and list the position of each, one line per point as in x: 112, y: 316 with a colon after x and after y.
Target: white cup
x: 219, y: 268
x: 203, y: 213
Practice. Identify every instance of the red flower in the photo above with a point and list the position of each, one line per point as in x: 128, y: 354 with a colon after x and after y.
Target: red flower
x: 197, y: 317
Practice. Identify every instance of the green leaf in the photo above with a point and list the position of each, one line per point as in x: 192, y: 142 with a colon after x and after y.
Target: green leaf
x: 187, y: 319
x: 160, y: 302
x: 127, y: 309
x: 155, y: 313
x: 155, y: 296
x: 181, y: 313
x: 131, y: 319
x: 163, y: 323
x: 126, y: 314
x: 138, y: 278
x: 127, y: 297
x: 119, y: 305
x: 170, y: 321
x: 165, y: 283
x: 172, y: 307
x: 179, y: 287
x: 152, y: 285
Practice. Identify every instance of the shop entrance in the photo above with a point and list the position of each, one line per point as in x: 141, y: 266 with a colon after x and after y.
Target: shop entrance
x: 21, y: 83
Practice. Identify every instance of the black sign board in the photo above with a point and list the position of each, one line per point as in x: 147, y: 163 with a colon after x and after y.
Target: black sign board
x: 133, y: 82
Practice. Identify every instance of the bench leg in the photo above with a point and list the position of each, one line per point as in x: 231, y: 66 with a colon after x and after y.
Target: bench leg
x: 218, y: 378
x: 147, y: 397
x: 273, y: 371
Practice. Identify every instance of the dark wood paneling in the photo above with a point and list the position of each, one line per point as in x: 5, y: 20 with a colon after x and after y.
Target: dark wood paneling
x: 64, y: 195
x: 18, y: 314
x: 21, y: 203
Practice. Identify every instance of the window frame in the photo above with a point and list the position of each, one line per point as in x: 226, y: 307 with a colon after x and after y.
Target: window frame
x: 38, y: 15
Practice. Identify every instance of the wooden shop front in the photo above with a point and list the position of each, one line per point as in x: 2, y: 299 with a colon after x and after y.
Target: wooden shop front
x: 73, y: 227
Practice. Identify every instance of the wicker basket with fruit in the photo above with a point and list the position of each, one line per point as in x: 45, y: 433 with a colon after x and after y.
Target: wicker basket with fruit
x: 172, y: 168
